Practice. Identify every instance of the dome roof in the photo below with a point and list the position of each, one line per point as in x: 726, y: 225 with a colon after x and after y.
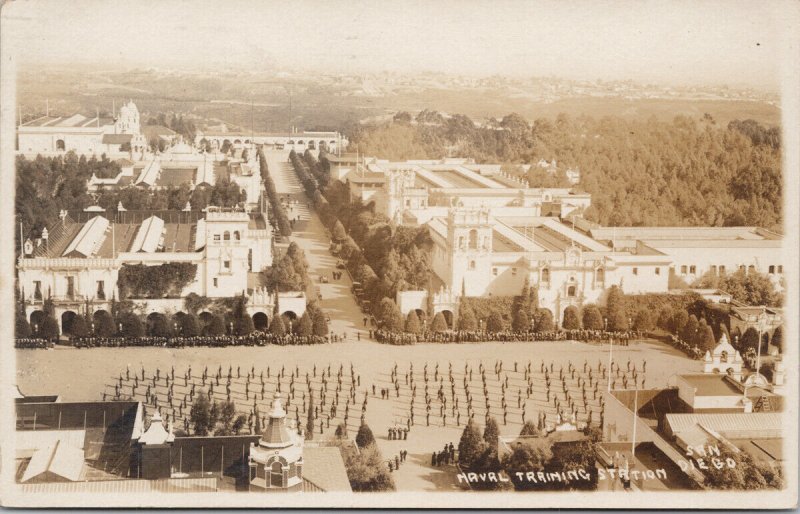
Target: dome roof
x: 276, y: 435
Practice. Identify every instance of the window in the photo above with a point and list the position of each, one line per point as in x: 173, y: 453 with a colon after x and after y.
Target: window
x: 216, y: 237
x: 461, y: 241
x: 721, y: 269
x: 713, y: 269
x: 70, y: 287
x: 216, y: 282
x: 692, y: 269
x: 514, y: 272
x: 226, y: 265
x: 494, y: 271
x: 772, y: 270
x: 545, y: 275
x: 601, y: 274
x: 237, y: 236
x: 683, y: 270
x: 37, y: 289
x: 471, y: 264
x: 742, y: 268
x: 101, y: 290
x: 473, y: 239
x: 408, y: 202
x: 751, y: 269
x: 226, y: 236
x: 571, y: 291
x: 658, y: 270
x: 635, y: 271
x: 780, y: 269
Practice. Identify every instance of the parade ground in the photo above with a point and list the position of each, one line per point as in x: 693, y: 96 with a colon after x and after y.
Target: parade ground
x: 92, y: 374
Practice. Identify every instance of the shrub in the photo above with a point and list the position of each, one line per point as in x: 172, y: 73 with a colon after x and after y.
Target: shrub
x: 439, y: 324
x: 364, y: 436
x: 543, y: 320
x: 466, y: 319
x: 572, y: 320
x: 413, y: 325
x: 592, y: 319
x: 495, y: 323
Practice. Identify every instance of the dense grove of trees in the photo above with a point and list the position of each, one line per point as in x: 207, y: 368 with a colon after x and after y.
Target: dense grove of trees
x: 478, y: 453
x: 289, y: 272
x: 366, y: 468
x: 751, y: 288
x: 648, y: 172
x: 184, y: 127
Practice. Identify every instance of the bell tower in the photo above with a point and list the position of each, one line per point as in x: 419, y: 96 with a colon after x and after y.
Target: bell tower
x: 469, y: 241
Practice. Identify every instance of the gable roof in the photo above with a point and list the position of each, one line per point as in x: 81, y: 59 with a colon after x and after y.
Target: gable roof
x: 60, y: 459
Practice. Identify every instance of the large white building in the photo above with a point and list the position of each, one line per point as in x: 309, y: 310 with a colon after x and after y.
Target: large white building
x: 78, y: 264
x: 51, y: 135
x: 491, y: 233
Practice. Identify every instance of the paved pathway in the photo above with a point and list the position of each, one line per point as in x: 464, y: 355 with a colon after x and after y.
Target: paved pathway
x: 312, y: 237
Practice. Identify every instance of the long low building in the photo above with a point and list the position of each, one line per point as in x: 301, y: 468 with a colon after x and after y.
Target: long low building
x: 297, y: 141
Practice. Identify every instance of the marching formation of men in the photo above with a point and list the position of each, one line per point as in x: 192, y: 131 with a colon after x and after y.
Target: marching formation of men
x: 438, y: 396
x: 323, y: 396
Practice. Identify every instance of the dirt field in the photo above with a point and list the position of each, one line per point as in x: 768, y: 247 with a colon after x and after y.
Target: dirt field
x: 78, y: 375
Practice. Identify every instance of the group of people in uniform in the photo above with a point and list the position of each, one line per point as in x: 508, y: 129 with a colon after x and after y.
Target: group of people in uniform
x: 321, y: 396
x: 474, y: 336
x: 255, y: 338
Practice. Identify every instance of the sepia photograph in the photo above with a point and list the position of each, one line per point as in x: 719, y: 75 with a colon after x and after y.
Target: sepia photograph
x: 475, y: 254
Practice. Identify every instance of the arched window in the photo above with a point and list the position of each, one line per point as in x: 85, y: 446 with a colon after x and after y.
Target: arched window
x: 60, y: 145
x: 276, y: 474
x: 546, y: 275
x: 473, y: 239
x: 236, y: 236
x: 226, y: 236
x: 471, y: 264
x: 723, y: 357
x: 601, y: 275
x: 571, y: 291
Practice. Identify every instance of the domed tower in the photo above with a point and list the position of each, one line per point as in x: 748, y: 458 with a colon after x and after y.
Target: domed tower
x: 127, y: 121
x: 276, y: 462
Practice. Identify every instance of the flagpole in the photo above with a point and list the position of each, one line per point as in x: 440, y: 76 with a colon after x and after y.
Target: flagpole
x: 635, y: 409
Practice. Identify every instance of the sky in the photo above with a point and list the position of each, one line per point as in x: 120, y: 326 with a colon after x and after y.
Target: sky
x: 692, y: 42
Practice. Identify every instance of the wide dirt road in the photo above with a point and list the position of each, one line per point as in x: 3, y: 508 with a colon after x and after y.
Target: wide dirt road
x: 312, y: 237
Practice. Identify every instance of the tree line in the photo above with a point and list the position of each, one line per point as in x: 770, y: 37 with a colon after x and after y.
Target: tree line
x: 684, y: 172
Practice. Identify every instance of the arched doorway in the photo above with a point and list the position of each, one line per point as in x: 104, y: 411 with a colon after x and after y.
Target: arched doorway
x: 178, y: 321
x: 102, y: 323
x: 66, y: 322
x: 205, y: 319
x: 37, y: 318
x: 291, y: 315
x: 448, y: 317
x: 260, y: 321
x: 60, y: 145
x: 158, y: 325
